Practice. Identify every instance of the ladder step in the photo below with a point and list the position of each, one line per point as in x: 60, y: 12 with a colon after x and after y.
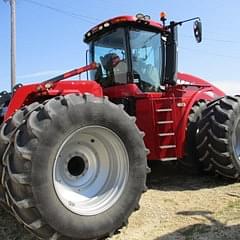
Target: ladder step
x: 166, y: 134
x: 168, y: 159
x: 167, y: 146
x: 164, y: 110
x: 164, y: 122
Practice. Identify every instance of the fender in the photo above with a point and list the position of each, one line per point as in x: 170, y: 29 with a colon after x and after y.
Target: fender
x: 40, y: 92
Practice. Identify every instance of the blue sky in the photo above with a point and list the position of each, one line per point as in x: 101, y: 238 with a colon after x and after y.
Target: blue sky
x: 50, y: 42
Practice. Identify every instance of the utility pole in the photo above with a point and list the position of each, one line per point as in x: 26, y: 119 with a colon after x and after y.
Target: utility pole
x: 13, y: 41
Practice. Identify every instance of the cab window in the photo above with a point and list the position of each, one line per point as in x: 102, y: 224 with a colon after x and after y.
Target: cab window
x: 110, y: 54
x: 146, y: 54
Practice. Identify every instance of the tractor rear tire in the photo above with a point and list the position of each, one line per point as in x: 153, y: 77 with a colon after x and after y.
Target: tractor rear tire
x: 6, y: 131
x: 190, y: 162
x: 77, y: 168
x: 203, y: 140
x: 224, y: 137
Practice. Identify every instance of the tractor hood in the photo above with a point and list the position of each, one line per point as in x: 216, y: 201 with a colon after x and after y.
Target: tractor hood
x: 188, y: 79
x: 185, y: 79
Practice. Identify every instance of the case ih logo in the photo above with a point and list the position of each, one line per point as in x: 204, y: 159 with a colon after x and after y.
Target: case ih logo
x: 183, y: 82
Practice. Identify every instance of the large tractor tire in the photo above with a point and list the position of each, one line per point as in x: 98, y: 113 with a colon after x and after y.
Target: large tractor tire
x: 224, y: 136
x: 6, y: 131
x: 4, y: 101
x: 189, y: 162
x: 218, y: 140
x: 77, y: 168
x: 202, y: 139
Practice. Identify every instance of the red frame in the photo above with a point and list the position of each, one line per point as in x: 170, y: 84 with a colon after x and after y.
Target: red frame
x: 152, y: 109
x: 179, y: 98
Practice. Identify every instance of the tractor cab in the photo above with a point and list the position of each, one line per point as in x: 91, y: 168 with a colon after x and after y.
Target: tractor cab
x: 128, y: 51
x: 134, y: 50
x: 128, y: 55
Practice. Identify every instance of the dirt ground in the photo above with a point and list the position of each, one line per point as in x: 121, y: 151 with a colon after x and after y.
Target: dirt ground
x: 177, y: 206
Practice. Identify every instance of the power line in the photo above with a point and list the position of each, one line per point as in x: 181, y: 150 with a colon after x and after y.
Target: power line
x: 209, y: 53
x: 68, y: 13
x: 214, y: 39
x: 223, y: 41
x: 74, y: 8
x: 96, y: 20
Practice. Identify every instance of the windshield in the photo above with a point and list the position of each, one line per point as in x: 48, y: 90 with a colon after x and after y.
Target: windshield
x: 146, y: 59
x: 110, y: 54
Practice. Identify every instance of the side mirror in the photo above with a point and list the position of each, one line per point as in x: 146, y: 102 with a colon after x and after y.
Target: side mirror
x: 197, y: 29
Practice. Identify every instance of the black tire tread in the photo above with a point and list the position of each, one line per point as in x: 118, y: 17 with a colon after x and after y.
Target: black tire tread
x: 189, y: 162
x: 24, y: 208
x: 203, y: 139
x: 221, y: 147
x: 8, y: 129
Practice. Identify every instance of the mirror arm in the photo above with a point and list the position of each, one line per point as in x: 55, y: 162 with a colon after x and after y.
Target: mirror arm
x: 181, y: 22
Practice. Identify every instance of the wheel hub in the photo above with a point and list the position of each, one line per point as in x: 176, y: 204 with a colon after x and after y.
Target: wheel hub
x: 76, y: 166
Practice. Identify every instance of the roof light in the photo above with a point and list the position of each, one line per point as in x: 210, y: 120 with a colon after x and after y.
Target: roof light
x: 89, y: 34
x: 106, y: 24
x: 147, y: 17
x: 100, y: 27
x: 140, y: 16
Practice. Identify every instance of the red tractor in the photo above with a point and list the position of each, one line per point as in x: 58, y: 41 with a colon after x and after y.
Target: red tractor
x: 74, y: 153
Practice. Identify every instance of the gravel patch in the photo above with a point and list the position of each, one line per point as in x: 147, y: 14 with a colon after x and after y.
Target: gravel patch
x: 177, y: 206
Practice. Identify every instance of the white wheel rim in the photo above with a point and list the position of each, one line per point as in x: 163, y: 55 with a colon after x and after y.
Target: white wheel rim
x: 90, y: 170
